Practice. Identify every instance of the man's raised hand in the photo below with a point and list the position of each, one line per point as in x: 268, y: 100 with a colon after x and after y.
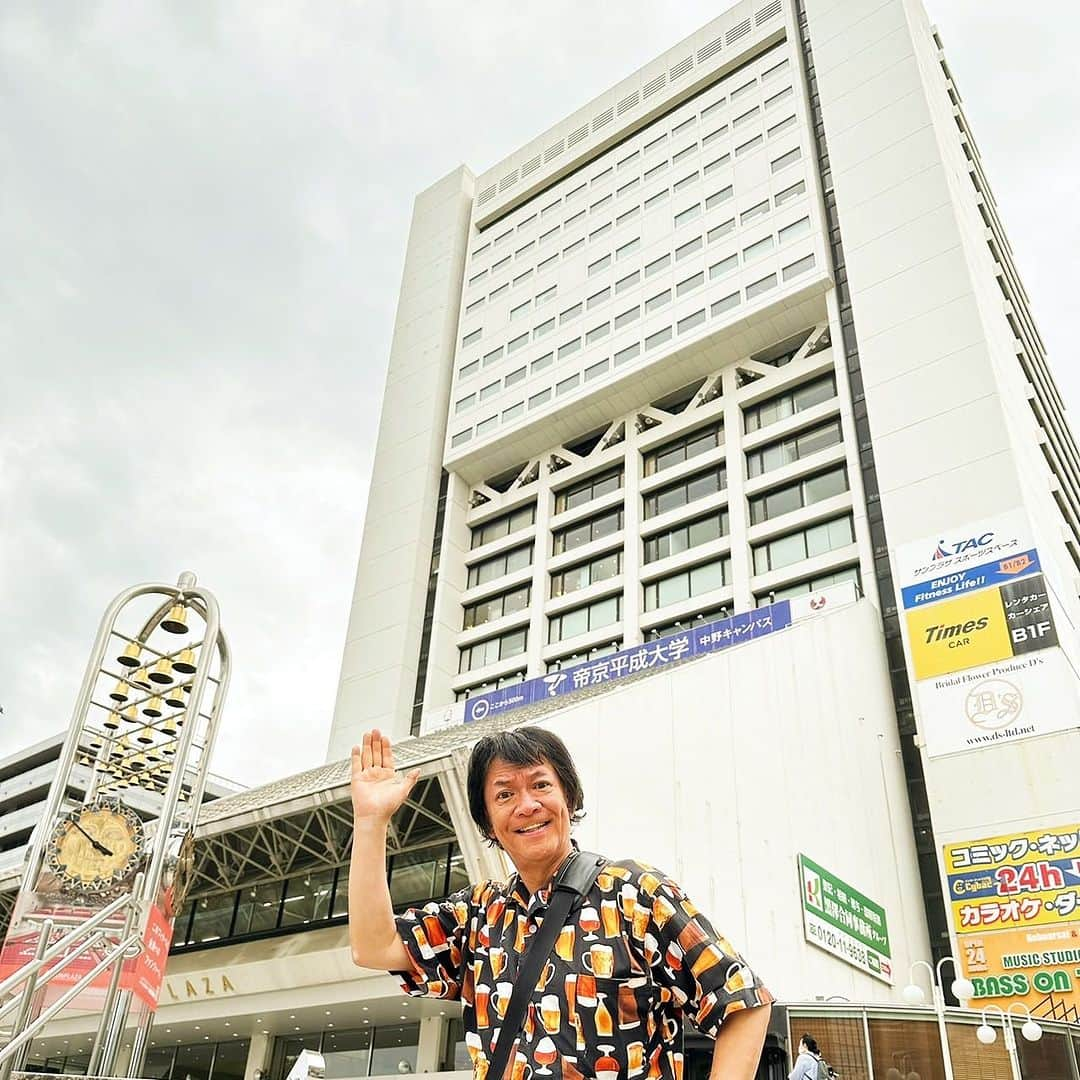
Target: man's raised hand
x: 377, y: 791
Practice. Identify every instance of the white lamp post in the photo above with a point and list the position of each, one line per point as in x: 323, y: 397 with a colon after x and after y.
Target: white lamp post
x: 913, y: 994
x: 1030, y: 1030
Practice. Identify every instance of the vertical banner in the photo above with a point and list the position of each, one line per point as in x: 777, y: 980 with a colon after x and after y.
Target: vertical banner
x: 982, y: 641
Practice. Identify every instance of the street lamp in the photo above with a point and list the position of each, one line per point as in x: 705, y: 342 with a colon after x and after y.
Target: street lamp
x: 1030, y: 1030
x: 962, y: 990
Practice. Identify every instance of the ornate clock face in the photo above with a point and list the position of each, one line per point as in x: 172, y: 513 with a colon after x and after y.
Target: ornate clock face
x: 96, y: 848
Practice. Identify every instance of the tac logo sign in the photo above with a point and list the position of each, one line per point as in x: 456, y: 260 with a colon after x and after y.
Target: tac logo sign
x: 959, y: 547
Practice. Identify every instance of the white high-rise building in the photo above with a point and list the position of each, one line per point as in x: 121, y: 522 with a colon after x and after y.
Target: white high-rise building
x: 744, y: 327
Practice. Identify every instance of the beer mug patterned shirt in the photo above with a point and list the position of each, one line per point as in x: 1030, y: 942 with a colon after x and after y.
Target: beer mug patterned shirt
x: 628, y: 965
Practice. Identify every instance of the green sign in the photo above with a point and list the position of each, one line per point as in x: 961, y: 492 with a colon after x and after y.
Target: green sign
x: 840, y: 920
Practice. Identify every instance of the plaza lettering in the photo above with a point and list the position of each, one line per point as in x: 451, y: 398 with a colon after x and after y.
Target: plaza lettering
x: 943, y: 632
x: 202, y: 986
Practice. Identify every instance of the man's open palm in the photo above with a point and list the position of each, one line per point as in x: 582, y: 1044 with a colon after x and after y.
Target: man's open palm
x: 377, y: 791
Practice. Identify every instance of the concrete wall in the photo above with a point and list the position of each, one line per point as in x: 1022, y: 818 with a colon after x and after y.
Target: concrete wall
x: 378, y: 670
x: 722, y: 771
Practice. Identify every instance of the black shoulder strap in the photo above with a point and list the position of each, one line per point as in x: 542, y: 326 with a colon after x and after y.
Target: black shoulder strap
x: 572, y: 883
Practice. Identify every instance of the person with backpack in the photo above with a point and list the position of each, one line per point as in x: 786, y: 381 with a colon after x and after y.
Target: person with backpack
x: 579, y: 966
x: 810, y: 1065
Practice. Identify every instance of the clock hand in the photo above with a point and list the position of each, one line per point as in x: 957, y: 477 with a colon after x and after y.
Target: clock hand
x: 97, y: 845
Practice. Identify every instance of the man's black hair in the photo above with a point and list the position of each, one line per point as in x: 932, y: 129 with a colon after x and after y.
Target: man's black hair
x: 811, y: 1044
x: 521, y: 747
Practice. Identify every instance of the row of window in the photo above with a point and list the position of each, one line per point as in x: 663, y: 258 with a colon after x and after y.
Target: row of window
x: 650, y: 141
x: 624, y: 251
x: 312, y: 898
x: 687, y: 324
x: 678, y: 586
x: 689, y: 247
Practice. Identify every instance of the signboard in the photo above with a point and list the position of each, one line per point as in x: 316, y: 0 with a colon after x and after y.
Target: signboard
x: 656, y: 655
x: 651, y: 656
x: 840, y: 920
x: 1015, y: 904
x: 981, y: 637
x: 998, y: 703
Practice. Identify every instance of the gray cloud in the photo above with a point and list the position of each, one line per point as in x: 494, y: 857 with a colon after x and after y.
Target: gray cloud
x: 204, y: 216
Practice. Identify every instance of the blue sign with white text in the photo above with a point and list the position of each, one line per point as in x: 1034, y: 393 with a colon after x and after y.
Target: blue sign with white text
x: 651, y: 656
x: 999, y: 572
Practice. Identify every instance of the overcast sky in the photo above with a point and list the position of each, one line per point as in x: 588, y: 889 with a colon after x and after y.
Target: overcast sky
x: 203, y: 215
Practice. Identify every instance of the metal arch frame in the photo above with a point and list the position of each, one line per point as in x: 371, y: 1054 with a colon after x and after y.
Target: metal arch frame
x: 172, y: 820
x: 316, y: 835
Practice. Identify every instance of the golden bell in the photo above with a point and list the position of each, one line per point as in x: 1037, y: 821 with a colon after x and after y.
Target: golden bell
x: 117, y: 750
x: 185, y: 662
x: 130, y: 656
x: 153, y: 707
x: 146, y: 737
x: 95, y: 742
x: 120, y: 692
x: 162, y: 672
x: 111, y: 722
x: 130, y: 715
x: 175, y: 699
x: 169, y: 749
x: 153, y: 755
x: 138, y: 761
x: 140, y: 679
x: 169, y: 727
x: 176, y: 621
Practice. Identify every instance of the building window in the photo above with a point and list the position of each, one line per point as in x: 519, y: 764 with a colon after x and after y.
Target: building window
x: 540, y: 399
x: 776, y: 129
x: 791, y: 402
x: 518, y: 343
x: 689, y: 214
x: 685, y: 152
x: 688, y: 249
x: 725, y: 228
x: 584, y: 491
x: 598, y: 298
x: 627, y: 215
x: 582, y: 620
x: 627, y: 282
x: 468, y: 339
x: 493, y: 650
x: 800, y: 266
x: 656, y: 170
x: 757, y: 210
x: 564, y: 386
x: 495, y: 607
x: 691, y: 321
x: 725, y: 303
x: 585, y: 532
x: 657, y: 199
x: 696, y: 581
x: 594, y: 371
x: 794, y: 230
x: 699, y: 486
x: 784, y: 160
x: 585, y: 574
x: 600, y: 264
x: 544, y: 328
x: 654, y: 303
x: 624, y: 356
x: 746, y: 147
x: 493, y: 357
x: 510, y: 679
x: 724, y: 266
x: 628, y: 248
x: 681, y: 538
x: 655, y: 340
x: 809, y: 585
x: 794, y: 496
x: 690, y: 283
x: 657, y: 265
x: 762, y: 285
x: 683, y: 449
x: 504, y: 525
x: 572, y: 312
x: 546, y: 295
x: 790, y: 193
x: 541, y: 363
x: 776, y: 455
x: 467, y: 402
x: 569, y: 348
x: 686, y: 181
x: 804, y: 544
x: 758, y: 249
x: 626, y: 317
x: 597, y: 332
x: 718, y: 163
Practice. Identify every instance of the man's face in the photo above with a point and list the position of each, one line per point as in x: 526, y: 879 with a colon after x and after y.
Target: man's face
x: 529, y: 815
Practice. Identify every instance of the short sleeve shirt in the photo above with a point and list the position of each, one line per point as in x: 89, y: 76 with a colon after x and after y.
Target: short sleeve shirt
x: 629, y: 964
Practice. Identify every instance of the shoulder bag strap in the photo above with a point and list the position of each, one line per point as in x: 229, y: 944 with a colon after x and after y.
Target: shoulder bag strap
x: 573, y: 882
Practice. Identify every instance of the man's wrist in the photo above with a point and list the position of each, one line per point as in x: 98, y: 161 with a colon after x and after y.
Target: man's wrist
x: 370, y: 825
